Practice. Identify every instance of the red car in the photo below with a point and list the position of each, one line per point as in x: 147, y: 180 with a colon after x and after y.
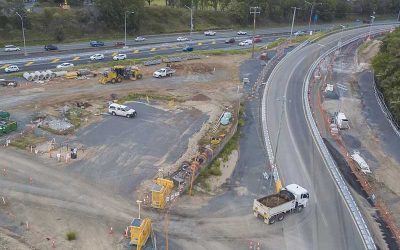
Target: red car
x: 119, y: 44
x: 257, y: 39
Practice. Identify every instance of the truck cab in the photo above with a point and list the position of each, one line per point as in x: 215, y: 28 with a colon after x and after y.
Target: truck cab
x: 300, y: 193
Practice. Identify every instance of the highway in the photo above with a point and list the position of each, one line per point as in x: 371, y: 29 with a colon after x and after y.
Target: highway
x: 144, y: 51
x: 327, y: 222
x: 79, y: 53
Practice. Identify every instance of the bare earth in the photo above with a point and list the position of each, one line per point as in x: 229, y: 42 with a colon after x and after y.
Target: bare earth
x: 44, y: 200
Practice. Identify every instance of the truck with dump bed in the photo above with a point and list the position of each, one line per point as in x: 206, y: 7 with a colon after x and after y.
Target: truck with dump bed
x: 167, y: 71
x: 292, y: 198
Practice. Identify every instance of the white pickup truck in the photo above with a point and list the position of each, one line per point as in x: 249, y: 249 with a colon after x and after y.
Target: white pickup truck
x: 121, y: 110
x: 163, y: 72
x: 292, y: 198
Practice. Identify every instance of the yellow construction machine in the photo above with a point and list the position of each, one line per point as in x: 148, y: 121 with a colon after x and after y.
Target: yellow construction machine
x: 119, y: 72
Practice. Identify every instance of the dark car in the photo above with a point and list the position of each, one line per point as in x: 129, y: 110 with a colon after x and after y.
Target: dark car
x: 50, y: 47
x: 119, y: 44
x: 230, y: 40
x: 188, y: 48
x: 96, y: 43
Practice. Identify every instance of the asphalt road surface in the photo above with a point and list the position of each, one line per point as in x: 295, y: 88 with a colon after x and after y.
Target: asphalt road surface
x: 79, y: 53
x: 326, y: 223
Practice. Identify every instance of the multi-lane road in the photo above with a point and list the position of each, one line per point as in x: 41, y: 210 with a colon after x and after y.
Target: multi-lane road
x: 79, y: 53
x: 327, y: 223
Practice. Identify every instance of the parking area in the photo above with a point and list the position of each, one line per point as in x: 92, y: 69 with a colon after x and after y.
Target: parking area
x: 126, y: 151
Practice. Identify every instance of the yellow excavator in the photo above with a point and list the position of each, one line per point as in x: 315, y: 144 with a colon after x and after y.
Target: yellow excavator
x: 119, y: 72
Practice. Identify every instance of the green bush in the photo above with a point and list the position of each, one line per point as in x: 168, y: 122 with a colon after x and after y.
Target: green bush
x: 71, y: 235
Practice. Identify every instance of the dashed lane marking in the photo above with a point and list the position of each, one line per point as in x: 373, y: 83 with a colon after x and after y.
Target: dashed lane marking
x: 29, y: 63
x: 153, y: 49
x: 5, y: 66
x: 76, y: 58
x: 55, y: 60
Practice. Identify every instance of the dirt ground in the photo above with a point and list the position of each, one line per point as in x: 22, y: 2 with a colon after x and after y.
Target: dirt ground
x: 360, y: 136
x: 44, y: 201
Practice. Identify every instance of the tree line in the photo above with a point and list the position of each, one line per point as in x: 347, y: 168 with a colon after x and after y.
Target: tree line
x: 387, y: 70
x: 106, y: 16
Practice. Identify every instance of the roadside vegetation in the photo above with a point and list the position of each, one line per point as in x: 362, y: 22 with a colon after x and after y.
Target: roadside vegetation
x: 214, y: 169
x: 25, y: 141
x: 387, y: 70
x: 46, y: 22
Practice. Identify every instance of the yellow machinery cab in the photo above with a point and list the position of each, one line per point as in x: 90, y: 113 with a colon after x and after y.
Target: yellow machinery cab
x: 140, y: 230
x: 159, y: 192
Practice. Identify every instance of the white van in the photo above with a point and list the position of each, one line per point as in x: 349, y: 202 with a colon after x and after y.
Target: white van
x: 121, y: 110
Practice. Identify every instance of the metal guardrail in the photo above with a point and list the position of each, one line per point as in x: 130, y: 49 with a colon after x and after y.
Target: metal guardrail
x: 385, y: 110
x: 341, y: 184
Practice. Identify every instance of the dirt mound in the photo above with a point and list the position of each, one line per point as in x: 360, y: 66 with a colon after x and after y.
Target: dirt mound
x: 197, y: 67
x: 200, y: 97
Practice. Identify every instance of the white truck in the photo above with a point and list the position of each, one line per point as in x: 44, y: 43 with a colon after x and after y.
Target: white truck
x: 163, y: 72
x: 292, y: 198
x: 121, y: 110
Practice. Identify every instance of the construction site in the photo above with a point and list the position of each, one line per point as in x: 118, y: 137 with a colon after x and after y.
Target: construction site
x: 76, y: 177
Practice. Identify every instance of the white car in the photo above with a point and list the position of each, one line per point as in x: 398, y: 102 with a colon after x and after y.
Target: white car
x: 299, y: 33
x: 246, y: 43
x: 65, y: 65
x: 209, y: 33
x: 119, y: 57
x: 11, y: 68
x: 182, y: 39
x: 139, y: 39
x: 121, y: 110
x: 97, y: 57
x: 241, y: 33
x: 8, y: 48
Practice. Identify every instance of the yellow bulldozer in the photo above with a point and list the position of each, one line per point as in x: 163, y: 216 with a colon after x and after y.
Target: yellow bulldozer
x: 117, y: 73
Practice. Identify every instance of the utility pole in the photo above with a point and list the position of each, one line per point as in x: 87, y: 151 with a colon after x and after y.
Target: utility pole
x: 294, y: 16
x: 126, y: 14
x: 191, y: 18
x: 254, y: 11
x: 311, y: 12
x: 23, y: 32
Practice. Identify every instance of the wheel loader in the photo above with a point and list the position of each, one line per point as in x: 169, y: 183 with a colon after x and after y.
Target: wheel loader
x: 119, y: 72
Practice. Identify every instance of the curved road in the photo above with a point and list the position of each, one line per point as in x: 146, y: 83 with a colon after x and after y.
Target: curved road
x: 326, y: 223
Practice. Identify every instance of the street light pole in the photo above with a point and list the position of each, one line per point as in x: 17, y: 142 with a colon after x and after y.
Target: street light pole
x: 191, y: 18
x: 370, y: 25
x: 139, y: 202
x: 294, y: 16
x: 126, y: 14
x: 283, y: 100
x: 254, y: 11
x: 23, y: 32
